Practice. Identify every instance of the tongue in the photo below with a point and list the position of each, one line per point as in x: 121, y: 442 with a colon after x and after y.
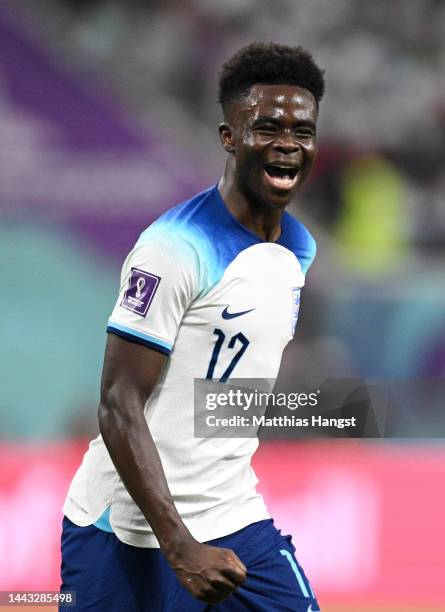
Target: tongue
x: 280, y: 181
x: 283, y: 180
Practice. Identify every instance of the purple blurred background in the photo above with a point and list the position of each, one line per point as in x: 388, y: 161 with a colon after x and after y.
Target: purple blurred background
x: 108, y: 116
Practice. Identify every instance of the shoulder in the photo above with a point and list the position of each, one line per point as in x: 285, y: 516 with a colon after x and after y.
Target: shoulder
x: 299, y: 240
x: 189, y: 234
x: 178, y: 227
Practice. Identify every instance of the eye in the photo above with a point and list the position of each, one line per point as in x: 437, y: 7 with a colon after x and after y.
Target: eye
x: 268, y: 128
x: 305, y: 133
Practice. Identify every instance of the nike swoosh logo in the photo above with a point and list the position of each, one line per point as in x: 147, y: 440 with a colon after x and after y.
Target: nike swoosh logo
x: 232, y: 315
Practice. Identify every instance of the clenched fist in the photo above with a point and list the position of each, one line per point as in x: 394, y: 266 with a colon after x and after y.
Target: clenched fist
x: 211, y: 574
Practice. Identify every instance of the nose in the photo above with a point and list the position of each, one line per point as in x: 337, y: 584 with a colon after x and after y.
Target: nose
x: 286, y: 142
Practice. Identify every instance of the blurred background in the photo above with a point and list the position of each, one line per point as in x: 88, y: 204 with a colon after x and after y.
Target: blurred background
x: 108, y: 116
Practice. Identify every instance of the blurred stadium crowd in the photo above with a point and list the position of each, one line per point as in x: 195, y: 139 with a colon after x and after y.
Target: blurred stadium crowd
x: 108, y: 116
x: 374, y: 302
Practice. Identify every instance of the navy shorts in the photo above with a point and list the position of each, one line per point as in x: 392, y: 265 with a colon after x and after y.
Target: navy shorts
x: 110, y: 576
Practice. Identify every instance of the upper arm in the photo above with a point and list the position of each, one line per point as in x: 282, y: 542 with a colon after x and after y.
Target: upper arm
x: 158, y: 283
x: 157, y: 286
x: 130, y: 370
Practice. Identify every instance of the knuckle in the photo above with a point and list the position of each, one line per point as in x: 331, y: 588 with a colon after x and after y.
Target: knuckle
x: 208, y: 593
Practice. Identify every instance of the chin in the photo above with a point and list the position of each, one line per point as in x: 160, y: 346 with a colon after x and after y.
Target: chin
x: 278, y: 199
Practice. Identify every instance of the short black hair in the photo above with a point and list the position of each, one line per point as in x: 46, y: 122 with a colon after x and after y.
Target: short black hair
x: 268, y: 64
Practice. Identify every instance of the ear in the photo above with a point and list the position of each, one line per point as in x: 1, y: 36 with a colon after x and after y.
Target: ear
x: 226, y: 137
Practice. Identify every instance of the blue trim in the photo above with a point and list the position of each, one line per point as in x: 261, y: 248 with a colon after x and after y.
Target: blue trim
x: 293, y: 565
x: 103, y: 522
x: 135, y: 336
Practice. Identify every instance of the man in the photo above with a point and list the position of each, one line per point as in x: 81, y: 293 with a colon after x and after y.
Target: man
x: 157, y: 519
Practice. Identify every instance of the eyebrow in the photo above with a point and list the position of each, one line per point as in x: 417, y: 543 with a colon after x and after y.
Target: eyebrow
x: 300, y: 122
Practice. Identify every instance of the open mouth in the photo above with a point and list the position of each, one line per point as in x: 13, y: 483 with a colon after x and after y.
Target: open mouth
x: 283, y: 177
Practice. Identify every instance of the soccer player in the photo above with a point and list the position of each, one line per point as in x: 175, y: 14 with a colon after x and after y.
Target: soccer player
x: 156, y: 519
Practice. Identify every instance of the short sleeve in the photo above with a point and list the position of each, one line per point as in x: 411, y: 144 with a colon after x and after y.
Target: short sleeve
x: 158, y: 282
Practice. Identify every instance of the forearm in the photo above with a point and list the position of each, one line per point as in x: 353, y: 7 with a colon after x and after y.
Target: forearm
x: 130, y: 374
x: 135, y: 456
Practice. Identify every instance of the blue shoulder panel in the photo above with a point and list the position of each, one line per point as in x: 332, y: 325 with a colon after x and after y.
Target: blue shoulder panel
x: 297, y: 238
x: 203, y: 230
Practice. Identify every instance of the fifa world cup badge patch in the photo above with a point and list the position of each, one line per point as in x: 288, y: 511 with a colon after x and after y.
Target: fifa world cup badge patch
x: 140, y: 292
x: 295, y: 307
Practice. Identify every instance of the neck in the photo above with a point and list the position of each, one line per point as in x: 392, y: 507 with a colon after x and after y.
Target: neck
x: 258, y: 218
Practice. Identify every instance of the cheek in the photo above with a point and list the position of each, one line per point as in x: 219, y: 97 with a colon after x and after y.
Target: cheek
x: 310, y: 152
x: 248, y: 155
x: 250, y: 145
x: 310, y: 147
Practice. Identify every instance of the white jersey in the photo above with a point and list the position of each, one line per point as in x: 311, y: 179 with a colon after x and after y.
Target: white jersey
x: 201, y: 288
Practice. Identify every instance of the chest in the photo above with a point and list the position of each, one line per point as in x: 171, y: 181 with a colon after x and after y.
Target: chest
x: 258, y: 296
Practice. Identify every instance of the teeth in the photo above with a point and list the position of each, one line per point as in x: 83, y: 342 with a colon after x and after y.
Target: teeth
x: 282, y: 175
x: 283, y: 166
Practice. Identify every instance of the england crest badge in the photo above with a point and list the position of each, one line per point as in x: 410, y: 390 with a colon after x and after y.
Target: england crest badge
x: 295, y: 307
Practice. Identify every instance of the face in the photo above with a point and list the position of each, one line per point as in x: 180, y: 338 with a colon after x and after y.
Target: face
x: 272, y: 135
